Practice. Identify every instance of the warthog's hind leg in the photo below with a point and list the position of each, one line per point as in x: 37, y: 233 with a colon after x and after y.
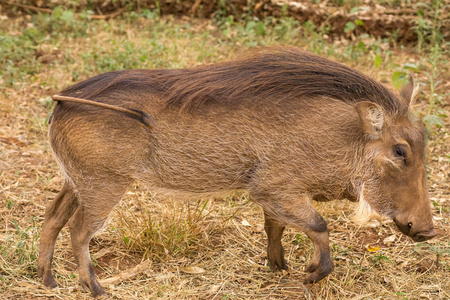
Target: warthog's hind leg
x: 97, y: 200
x: 56, y: 216
x: 275, y: 252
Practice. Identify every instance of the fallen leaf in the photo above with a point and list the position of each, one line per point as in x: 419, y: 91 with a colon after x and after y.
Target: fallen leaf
x: 340, y: 257
x: 245, y: 223
x: 102, y: 253
x: 162, y: 276
x: 389, y: 240
x: 372, y: 249
x: 192, y: 270
x: 215, y: 288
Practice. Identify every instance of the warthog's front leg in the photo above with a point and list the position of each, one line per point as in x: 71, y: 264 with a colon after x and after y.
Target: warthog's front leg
x: 321, y: 264
x: 298, y: 213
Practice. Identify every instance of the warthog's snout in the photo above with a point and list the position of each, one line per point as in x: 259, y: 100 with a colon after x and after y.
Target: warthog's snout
x: 418, y: 236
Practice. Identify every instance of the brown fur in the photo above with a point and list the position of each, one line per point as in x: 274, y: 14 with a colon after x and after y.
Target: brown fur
x: 276, y: 74
x: 283, y: 124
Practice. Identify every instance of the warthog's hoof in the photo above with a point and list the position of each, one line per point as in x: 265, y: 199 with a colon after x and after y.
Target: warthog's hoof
x: 47, y: 278
x: 317, y: 272
x: 102, y: 296
x: 50, y: 282
x: 315, y: 277
x: 95, y: 288
x: 277, y: 264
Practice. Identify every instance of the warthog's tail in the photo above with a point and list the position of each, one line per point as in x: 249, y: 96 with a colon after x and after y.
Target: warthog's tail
x: 141, y: 116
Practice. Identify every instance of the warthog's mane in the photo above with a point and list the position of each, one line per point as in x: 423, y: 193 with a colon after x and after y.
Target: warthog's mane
x: 269, y: 74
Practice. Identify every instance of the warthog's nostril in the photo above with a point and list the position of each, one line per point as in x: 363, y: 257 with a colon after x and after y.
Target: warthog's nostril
x: 403, y: 227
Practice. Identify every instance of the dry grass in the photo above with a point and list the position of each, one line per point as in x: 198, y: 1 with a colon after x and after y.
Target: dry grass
x: 223, y: 237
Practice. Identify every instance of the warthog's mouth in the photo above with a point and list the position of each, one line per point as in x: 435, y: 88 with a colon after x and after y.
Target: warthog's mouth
x: 423, y: 236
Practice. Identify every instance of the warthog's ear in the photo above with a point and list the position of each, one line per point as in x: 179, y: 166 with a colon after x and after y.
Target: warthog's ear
x: 409, y: 92
x: 371, y: 117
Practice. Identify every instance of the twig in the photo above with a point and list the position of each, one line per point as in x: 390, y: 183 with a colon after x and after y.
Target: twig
x: 12, y: 140
x: 195, y: 6
x: 46, y: 10
x: 49, y: 11
x: 126, y: 275
x: 111, y: 15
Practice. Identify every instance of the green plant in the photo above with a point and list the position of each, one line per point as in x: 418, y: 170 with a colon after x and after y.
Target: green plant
x: 435, y: 33
x: 171, y: 235
x: 422, y: 28
x: 63, y: 22
x: 152, y: 15
x: 21, y: 245
x: 379, y: 258
x: 351, y: 26
x: 286, y: 28
x: 17, y: 57
x: 429, y: 31
x: 435, y: 112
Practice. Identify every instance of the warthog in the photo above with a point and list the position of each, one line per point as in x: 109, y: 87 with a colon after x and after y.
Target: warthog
x: 283, y: 124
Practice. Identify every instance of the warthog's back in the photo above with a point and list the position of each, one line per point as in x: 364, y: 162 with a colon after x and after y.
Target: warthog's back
x: 275, y: 74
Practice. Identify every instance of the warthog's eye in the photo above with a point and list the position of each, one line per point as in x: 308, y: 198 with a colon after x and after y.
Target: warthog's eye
x: 400, y: 152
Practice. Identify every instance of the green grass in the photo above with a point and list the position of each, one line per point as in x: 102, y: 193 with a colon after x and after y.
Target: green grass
x: 143, y: 40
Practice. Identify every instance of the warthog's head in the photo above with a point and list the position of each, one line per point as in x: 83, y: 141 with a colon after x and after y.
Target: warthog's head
x: 394, y: 181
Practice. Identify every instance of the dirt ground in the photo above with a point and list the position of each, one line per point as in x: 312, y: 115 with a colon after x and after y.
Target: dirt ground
x: 156, y: 247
